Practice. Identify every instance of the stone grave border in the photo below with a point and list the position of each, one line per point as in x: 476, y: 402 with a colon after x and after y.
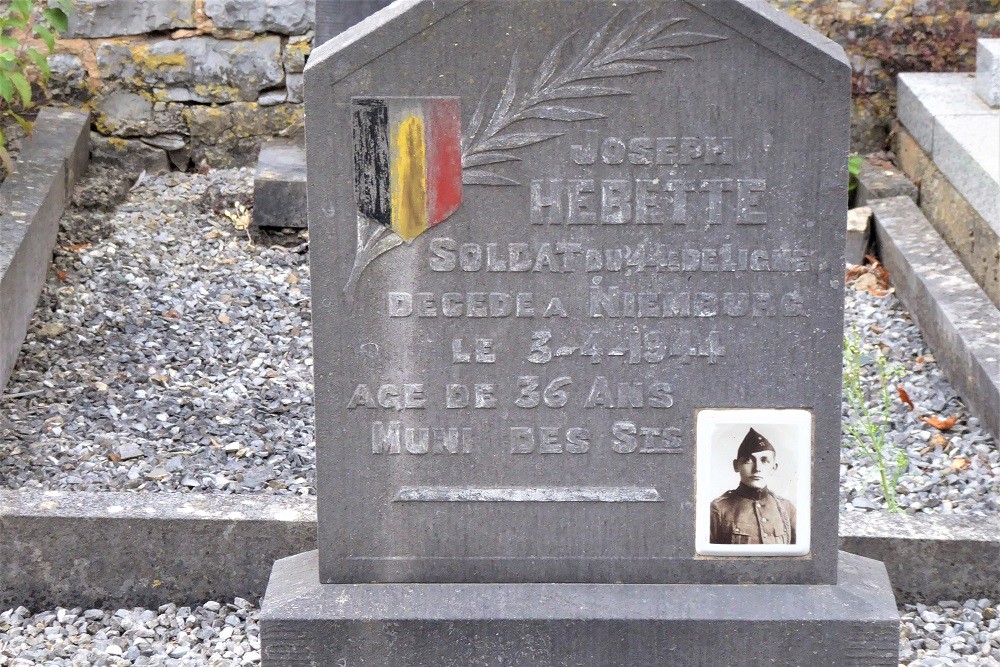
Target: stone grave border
x: 955, y: 315
x: 32, y: 201
x: 120, y: 549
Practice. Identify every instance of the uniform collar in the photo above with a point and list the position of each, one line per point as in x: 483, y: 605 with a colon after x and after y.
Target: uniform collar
x: 750, y: 493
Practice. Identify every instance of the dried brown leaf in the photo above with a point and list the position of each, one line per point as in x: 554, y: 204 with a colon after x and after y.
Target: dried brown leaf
x: 905, y: 397
x: 939, y: 423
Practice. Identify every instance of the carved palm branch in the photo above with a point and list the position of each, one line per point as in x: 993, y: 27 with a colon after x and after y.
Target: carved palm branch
x: 629, y: 51
x: 373, y: 240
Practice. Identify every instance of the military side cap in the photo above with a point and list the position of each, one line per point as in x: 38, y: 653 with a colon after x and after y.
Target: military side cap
x: 753, y: 442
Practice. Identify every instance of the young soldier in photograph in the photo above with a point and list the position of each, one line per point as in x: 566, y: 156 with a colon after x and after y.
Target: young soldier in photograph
x: 751, y: 513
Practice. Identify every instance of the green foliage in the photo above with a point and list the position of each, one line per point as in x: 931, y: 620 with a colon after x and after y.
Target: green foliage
x: 854, y: 170
x: 870, y: 412
x: 22, y: 22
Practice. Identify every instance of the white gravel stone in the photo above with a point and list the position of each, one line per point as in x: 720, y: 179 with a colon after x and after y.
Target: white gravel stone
x: 178, y: 636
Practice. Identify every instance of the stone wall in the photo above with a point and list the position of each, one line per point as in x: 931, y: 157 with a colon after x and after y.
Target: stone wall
x: 195, y: 82
x: 203, y: 82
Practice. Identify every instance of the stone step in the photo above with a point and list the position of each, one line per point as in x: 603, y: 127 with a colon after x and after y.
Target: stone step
x: 959, y: 131
x: 958, y: 320
x: 279, y: 184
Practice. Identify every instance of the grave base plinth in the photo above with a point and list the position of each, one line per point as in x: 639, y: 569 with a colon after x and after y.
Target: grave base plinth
x: 303, y: 622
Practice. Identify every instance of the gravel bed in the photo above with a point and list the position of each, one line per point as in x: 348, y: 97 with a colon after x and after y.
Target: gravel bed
x: 168, y: 352
x: 210, y: 634
x: 948, y: 633
x: 953, y: 471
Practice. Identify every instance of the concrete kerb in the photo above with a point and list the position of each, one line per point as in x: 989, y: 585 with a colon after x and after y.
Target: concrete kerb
x: 32, y: 200
x: 120, y: 549
x: 960, y: 323
x: 144, y: 549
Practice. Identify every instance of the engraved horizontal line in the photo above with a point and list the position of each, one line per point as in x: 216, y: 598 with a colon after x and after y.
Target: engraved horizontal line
x: 457, y: 559
x: 518, y: 494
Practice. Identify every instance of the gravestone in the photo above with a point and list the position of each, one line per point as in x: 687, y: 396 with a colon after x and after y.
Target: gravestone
x: 577, y: 297
x: 335, y: 16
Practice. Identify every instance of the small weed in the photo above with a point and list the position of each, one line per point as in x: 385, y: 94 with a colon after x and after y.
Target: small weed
x: 239, y: 215
x: 854, y: 170
x: 870, y: 401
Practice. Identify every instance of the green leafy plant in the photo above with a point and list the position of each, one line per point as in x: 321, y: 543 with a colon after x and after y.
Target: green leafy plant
x: 22, y: 24
x: 870, y: 401
x: 854, y: 170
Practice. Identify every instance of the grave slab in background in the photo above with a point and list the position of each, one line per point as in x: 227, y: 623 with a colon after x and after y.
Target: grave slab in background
x: 279, y: 184
x: 965, y: 231
x: 876, y: 181
x: 929, y: 556
x: 67, y: 548
x: 988, y: 71
x: 959, y: 131
x: 335, y: 16
x: 32, y: 200
x: 958, y: 320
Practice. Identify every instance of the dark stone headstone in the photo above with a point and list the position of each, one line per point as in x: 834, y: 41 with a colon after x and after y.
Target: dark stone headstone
x: 577, y: 300
x: 335, y: 16
x: 514, y: 336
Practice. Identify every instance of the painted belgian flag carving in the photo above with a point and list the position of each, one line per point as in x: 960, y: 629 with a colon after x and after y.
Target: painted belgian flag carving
x: 407, y: 161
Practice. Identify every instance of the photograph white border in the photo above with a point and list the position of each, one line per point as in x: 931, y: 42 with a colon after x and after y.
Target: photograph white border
x: 717, y: 438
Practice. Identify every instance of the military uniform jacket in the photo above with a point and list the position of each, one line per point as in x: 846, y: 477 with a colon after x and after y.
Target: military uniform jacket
x: 751, y: 516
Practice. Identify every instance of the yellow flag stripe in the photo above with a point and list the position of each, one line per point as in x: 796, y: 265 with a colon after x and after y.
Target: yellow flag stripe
x: 408, y: 178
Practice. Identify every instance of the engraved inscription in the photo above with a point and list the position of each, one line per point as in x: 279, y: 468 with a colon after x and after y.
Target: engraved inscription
x: 447, y: 255
x: 642, y: 151
x: 640, y: 345
x: 558, y: 201
x: 394, y: 438
x: 473, y: 304
x: 483, y: 352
